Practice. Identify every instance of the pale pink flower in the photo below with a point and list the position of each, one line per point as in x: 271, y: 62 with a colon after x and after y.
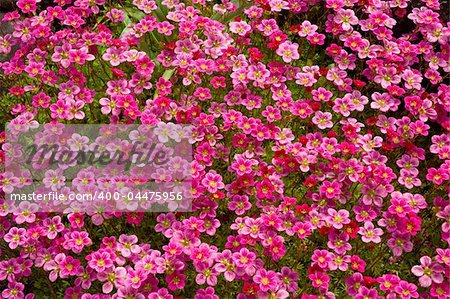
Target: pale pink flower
x: 288, y: 51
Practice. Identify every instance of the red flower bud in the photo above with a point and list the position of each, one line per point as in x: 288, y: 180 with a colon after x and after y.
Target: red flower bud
x: 371, y: 121
x: 359, y: 83
x: 303, y: 140
x: 332, y: 134
x: 315, y: 106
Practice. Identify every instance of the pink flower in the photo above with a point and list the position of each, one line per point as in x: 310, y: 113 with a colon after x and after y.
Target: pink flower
x: 54, y: 179
x: 114, y: 56
x: 437, y: 176
x: 76, y: 241
x: 15, y: 237
x: 399, y: 205
x: 206, y: 275
x: 176, y: 281
x: 239, y: 204
x: 443, y: 256
x: 319, y: 279
x: 331, y: 189
x: 406, y: 290
x: 268, y: 26
x: 213, y: 181
x: 272, y: 114
x: 135, y: 278
x: 307, y: 29
x: 346, y: 17
x: 245, y: 261
x: 115, y: 15
x: 303, y: 229
x: 127, y: 245
x: 370, y: 233
x: 59, y: 109
x: 428, y: 272
x: 400, y: 242
x: 440, y: 291
x: 288, y: 51
x: 338, y: 218
x: 8, y: 181
x: 100, y: 260
x: 364, y: 293
x: 54, y: 226
x: 322, y: 258
x: 267, y: 280
x: 412, y: 79
x: 241, y: 28
x: 162, y: 293
x: 69, y: 266
x: 14, y: 290
x: 322, y: 120
x: 61, y: 55
x: 305, y: 79
x: 387, y: 76
x: 321, y: 94
x: 258, y: 73
x: 80, y: 56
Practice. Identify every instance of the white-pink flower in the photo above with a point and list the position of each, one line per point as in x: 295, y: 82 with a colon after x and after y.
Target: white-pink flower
x: 428, y: 271
x: 322, y: 120
x: 288, y: 51
x: 240, y: 28
x: 370, y: 233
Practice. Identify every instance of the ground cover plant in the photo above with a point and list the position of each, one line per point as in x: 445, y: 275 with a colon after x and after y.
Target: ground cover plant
x: 320, y: 139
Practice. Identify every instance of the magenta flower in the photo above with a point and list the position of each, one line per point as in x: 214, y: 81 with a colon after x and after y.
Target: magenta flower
x: 100, y: 260
x: 406, y: 290
x: 135, y: 278
x: 319, y: 279
x: 76, y: 241
x: 240, y: 204
x: 322, y: 258
x: 400, y: 242
x: 80, y: 56
x: 437, y: 176
x: 69, y: 266
x: 245, y: 259
x: 213, y: 181
x: 15, y: 237
x: 399, y: 205
x: 14, y: 290
x: 332, y: 190
x: 162, y: 293
x: 267, y: 280
x: 365, y: 292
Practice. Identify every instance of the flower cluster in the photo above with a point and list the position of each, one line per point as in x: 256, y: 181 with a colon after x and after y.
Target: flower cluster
x: 320, y: 146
